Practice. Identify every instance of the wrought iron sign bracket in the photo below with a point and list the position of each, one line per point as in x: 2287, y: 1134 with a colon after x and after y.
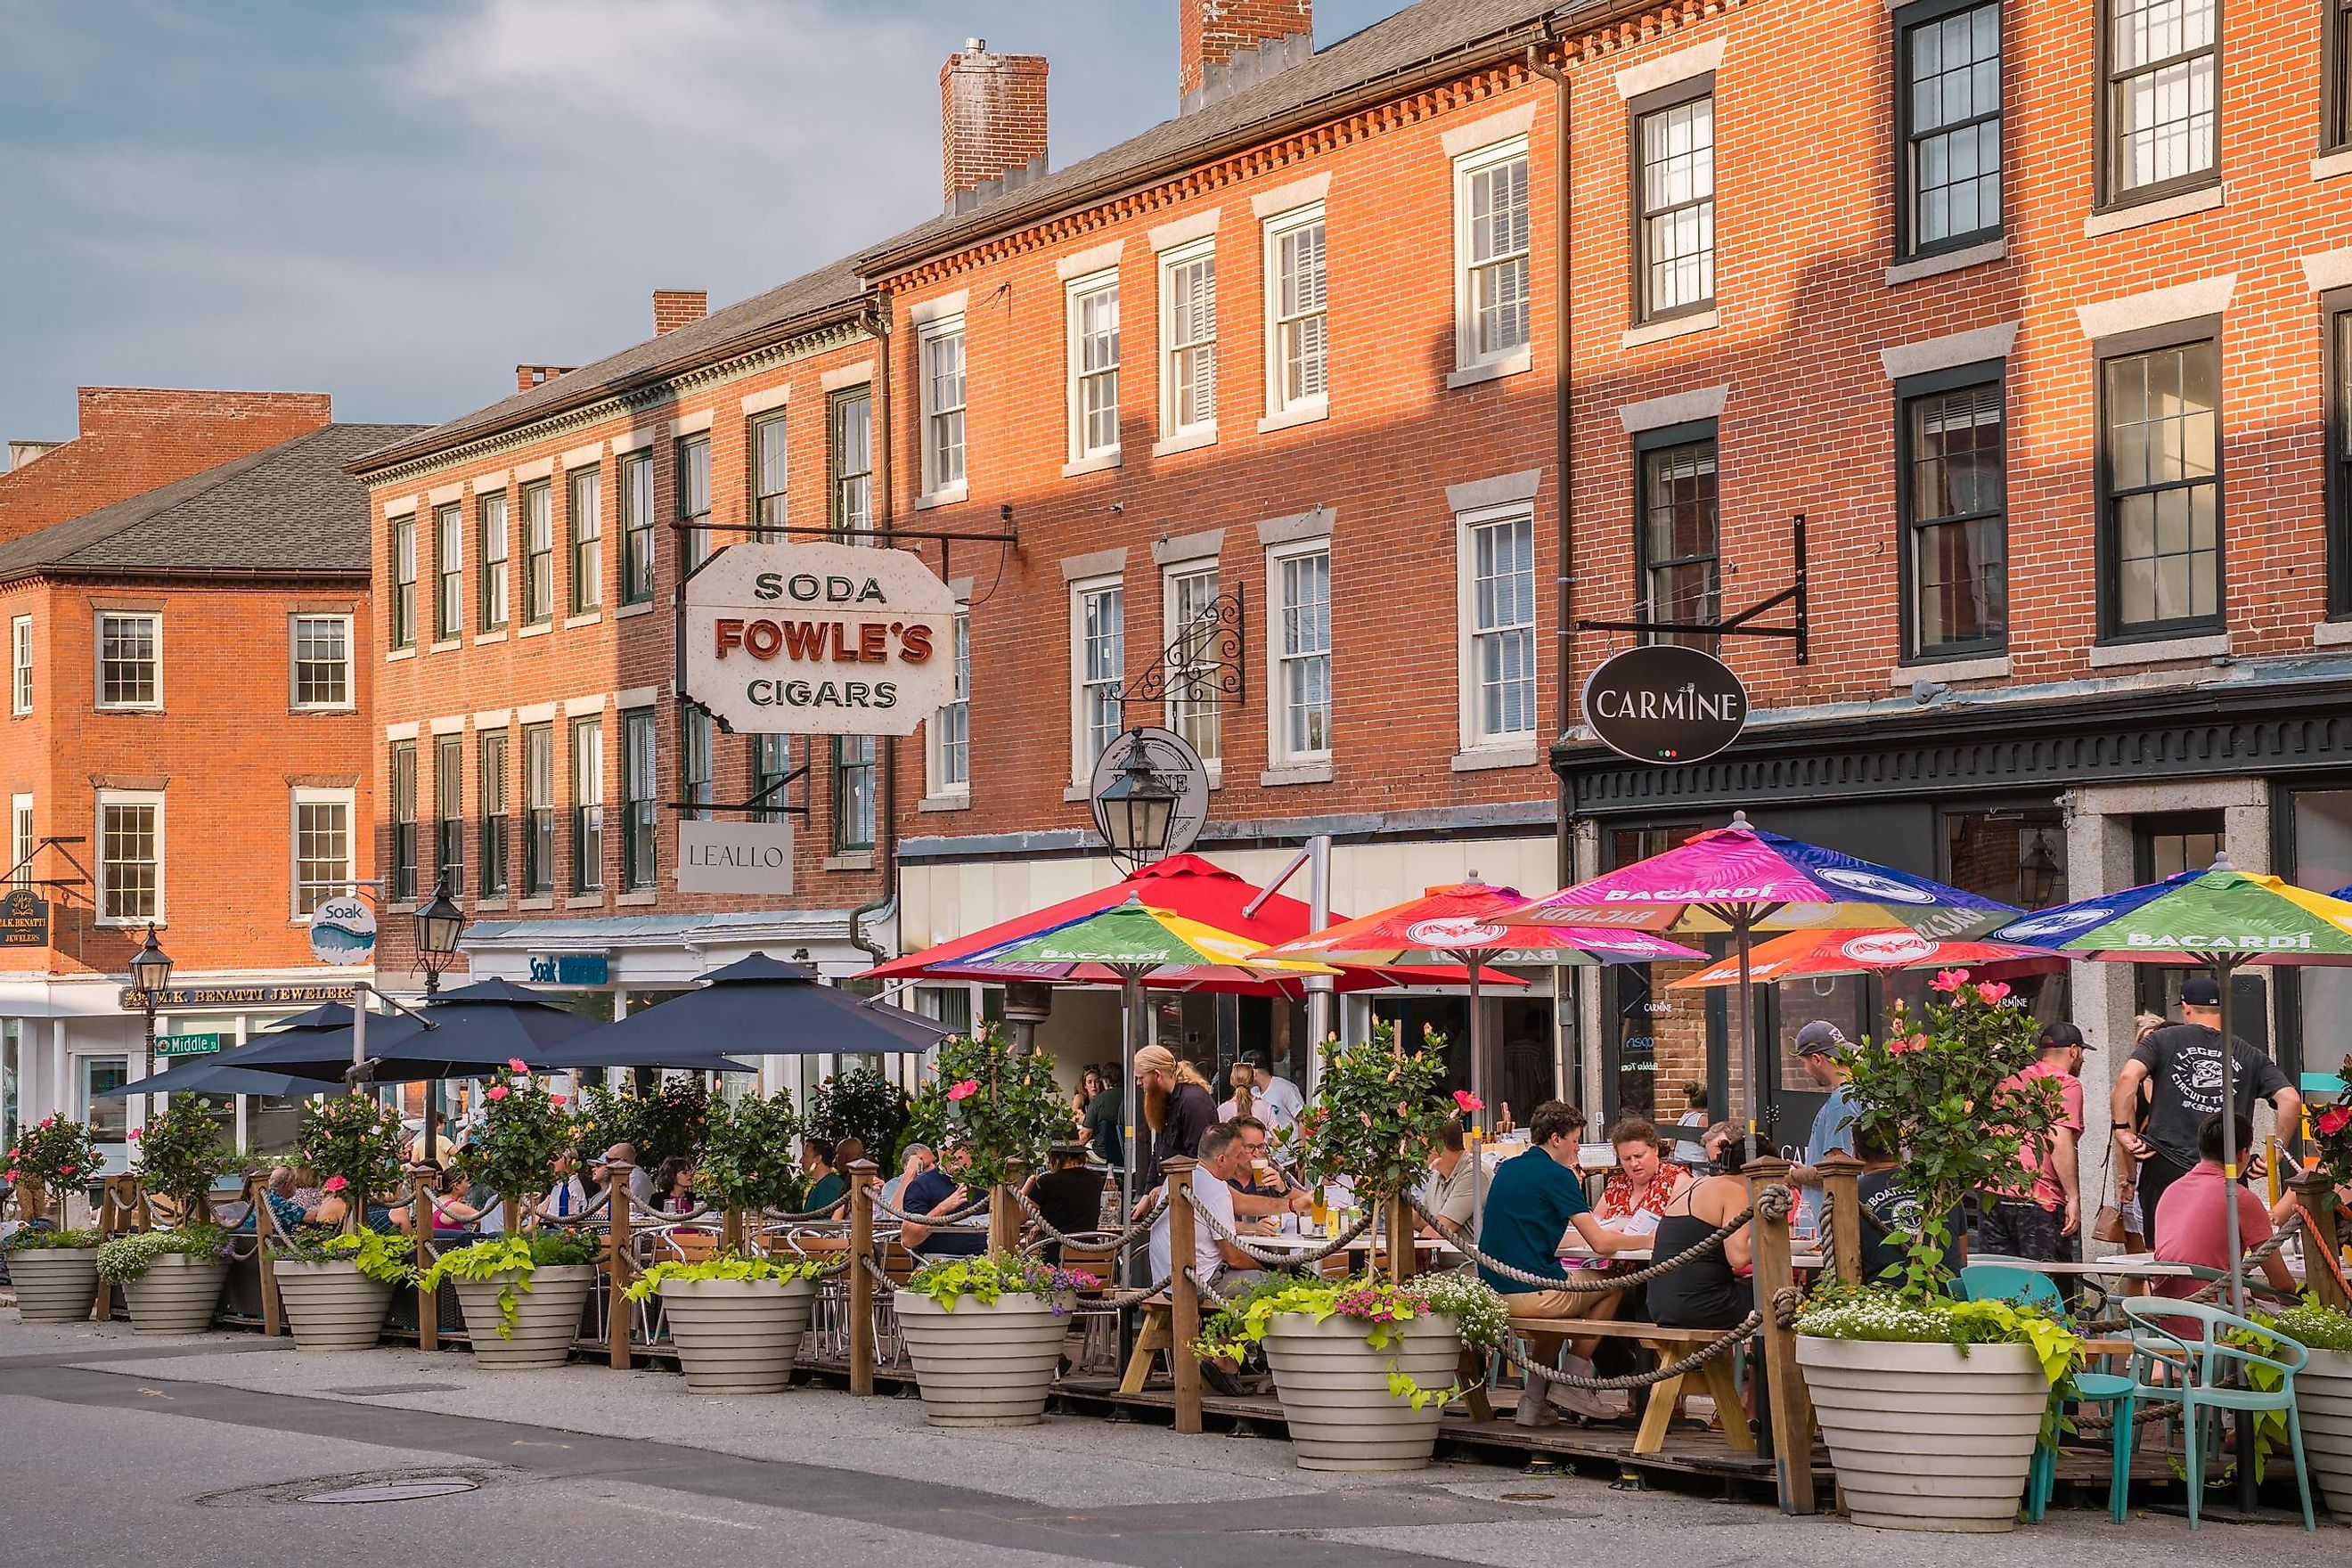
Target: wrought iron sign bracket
x: 1207, y: 661
x: 1797, y: 594
x: 763, y: 801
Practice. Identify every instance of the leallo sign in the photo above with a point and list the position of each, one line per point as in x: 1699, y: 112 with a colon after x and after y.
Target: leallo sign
x: 819, y: 639
x: 1665, y: 703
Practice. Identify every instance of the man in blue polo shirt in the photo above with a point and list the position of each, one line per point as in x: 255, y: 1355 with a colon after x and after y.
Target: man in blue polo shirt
x: 1535, y: 1199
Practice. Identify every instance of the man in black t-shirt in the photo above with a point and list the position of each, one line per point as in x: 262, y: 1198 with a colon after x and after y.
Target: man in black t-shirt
x: 2181, y: 1064
x: 1177, y: 1109
x: 1068, y: 1192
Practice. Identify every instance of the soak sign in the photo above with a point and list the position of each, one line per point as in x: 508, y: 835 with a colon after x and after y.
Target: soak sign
x: 819, y: 639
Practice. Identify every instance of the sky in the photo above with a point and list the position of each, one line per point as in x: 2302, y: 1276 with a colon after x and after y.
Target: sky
x: 398, y: 201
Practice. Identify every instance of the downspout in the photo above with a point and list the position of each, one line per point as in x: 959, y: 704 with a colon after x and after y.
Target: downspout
x: 886, y: 805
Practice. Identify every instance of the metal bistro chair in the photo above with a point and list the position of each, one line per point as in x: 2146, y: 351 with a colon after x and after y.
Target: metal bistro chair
x: 2030, y: 1288
x: 2195, y: 1386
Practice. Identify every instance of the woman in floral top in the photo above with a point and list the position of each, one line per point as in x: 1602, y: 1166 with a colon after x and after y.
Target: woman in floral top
x: 1645, y: 1181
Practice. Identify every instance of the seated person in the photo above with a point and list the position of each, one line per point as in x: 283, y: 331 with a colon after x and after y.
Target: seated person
x: 1451, y: 1183
x: 2192, y: 1225
x: 673, y: 1186
x: 291, y: 1215
x: 567, y: 1195
x: 1263, y: 1188
x: 1068, y: 1192
x: 1892, y: 1216
x: 1644, y: 1182
x: 1711, y: 1289
x: 828, y: 1192
x: 1216, y: 1263
x: 938, y: 1193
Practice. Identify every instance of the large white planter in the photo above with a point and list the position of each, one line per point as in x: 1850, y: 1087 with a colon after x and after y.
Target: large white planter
x: 176, y: 1295
x: 982, y: 1365
x: 2323, y: 1393
x: 1335, y: 1391
x: 332, y: 1306
x: 547, y: 1316
x: 54, y: 1285
x: 1923, y: 1438
x: 737, y: 1336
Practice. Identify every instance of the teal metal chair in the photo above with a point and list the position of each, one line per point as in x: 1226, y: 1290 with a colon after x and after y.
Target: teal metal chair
x: 2030, y: 1288
x: 2194, y: 1367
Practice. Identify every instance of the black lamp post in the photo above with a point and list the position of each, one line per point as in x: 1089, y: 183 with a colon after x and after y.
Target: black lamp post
x: 439, y: 923
x: 151, y: 972
x: 1136, y: 809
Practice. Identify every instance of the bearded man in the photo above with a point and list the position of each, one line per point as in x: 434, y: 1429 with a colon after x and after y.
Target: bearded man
x: 1177, y: 1108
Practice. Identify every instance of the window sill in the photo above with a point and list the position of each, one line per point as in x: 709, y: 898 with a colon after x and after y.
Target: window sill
x: 1517, y: 361
x: 1649, y: 332
x: 947, y: 497
x: 322, y: 708
x: 546, y: 903
x: 2332, y: 634
x: 483, y: 640
x: 584, y: 618
x: 1185, y: 441
x: 1096, y: 464
x: 127, y: 707
x: 401, y: 907
x: 642, y: 607
x: 2332, y: 165
x: 1296, y: 774
x: 536, y: 629
x: 586, y: 901
x: 957, y: 802
x: 2162, y: 210
x: 394, y: 657
x: 1935, y: 266
x: 637, y: 900
x: 1077, y: 794
x: 861, y: 861
x: 1995, y: 668
x: 448, y: 645
x: 1290, y: 418
x: 2161, y: 651
x: 1479, y: 759
x: 490, y: 906
x: 124, y: 922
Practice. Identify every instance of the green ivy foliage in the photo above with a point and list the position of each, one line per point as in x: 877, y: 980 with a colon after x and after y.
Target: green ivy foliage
x: 516, y: 1259
x: 381, y: 1256
x: 719, y: 1265
x: 988, y: 1277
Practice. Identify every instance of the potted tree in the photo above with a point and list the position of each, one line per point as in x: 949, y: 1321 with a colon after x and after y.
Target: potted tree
x: 337, y: 1289
x: 985, y: 1331
x: 174, y: 1284
x: 737, y: 1319
x: 1932, y: 1408
x: 2322, y: 1388
x: 55, y: 1271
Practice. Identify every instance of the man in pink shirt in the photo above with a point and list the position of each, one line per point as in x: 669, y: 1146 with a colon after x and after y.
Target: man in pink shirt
x: 2192, y: 1219
x: 2044, y: 1222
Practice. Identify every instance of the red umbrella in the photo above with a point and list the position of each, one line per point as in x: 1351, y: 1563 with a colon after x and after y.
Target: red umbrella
x: 1807, y: 954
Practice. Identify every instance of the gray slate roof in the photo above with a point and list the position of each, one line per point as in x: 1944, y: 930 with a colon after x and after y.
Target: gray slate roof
x: 289, y: 508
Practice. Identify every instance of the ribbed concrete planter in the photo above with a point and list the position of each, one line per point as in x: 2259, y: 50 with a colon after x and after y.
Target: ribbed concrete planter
x: 333, y: 1306
x: 1923, y: 1438
x: 54, y: 1285
x: 737, y: 1336
x: 982, y: 1365
x: 1335, y: 1391
x: 176, y: 1295
x: 547, y: 1317
x: 2323, y: 1392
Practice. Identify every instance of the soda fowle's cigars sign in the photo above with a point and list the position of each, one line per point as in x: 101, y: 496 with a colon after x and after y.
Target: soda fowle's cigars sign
x: 819, y: 639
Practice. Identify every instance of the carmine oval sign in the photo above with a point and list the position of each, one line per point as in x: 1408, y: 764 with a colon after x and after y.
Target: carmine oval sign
x: 1665, y: 703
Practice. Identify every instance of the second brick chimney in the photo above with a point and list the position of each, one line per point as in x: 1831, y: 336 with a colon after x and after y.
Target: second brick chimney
x: 992, y: 123
x: 1224, y: 45
x: 675, y: 307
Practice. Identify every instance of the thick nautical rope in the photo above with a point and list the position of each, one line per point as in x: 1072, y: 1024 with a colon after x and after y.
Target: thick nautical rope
x: 1284, y: 1258
x: 1689, y: 1363
x: 1605, y: 1284
x: 1098, y: 1241
x: 956, y: 1221
x: 1118, y: 1301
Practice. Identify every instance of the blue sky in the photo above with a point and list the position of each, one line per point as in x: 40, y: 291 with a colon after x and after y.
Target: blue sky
x: 398, y: 201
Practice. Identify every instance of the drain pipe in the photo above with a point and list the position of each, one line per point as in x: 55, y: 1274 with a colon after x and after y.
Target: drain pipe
x: 886, y: 803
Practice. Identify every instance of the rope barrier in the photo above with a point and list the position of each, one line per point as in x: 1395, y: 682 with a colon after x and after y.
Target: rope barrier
x: 1656, y: 1269
x: 1119, y: 1300
x: 1689, y: 1363
x: 1092, y: 1241
x: 956, y: 1221
x: 1285, y: 1258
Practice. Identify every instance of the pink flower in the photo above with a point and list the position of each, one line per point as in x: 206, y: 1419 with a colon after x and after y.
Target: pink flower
x: 965, y: 1089
x: 1906, y: 1045
x: 333, y: 1184
x: 69, y: 1170
x: 556, y: 1099
x: 15, y: 1176
x: 2334, y: 1119
x: 516, y: 1064
x: 139, y: 1134
x: 1991, y: 991
x: 496, y: 1091
x: 1949, y: 980
x: 1467, y: 1100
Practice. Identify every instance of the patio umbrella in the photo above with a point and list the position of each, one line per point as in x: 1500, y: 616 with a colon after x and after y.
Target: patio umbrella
x: 1741, y: 879
x: 759, y: 1006
x: 1822, y: 954
x: 212, y: 1076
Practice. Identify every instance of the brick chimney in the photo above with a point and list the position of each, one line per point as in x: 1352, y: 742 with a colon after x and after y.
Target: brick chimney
x: 530, y: 375
x: 1224, y: 45
x: 674, y: 307
x: 992, y: 124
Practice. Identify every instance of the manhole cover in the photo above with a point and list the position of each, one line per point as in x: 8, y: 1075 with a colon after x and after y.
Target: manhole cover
x: 396, y: 1491
x: 1527, y: 1497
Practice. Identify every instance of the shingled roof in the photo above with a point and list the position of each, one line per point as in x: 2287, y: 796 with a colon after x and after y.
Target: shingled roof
x: 291, y: 507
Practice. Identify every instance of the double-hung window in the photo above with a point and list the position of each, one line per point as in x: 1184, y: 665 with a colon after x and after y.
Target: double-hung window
x: 1298, y: 314
x: 1498, y: 614
x: 584, y: 507
x: 495, y: 542
x: 539, y: 809
x: 402, y: 610
x: 951, y: 727
x: 130, y: 857
x: 400, y: 782
x: 537, y: 553
x: 1677, y: 538
x: 771, y: 762
x: 23, y: 840
x: 322, y: 844
x: 492, y: 793
x: 20, y: 665
x: 694, y: 760
x: 1093, y: 303
x: 853, y: 793
x: 1951, y: 493
x: 130, y: 659
x: 2335, y: 132
x: 321, y: 649
x: 640, y: 785
x: 449, y: 571
x: 2160, y: 98
x: 771, y: 470
x: 1300, y: 578
x: 587, y: 804
x: 449, y: 814
x: 1097, y: 670
x: 1188, y: 340
x: 849, y: 461
x: 940, y: 347
x: 1187, y: 601
x: 636, y: 486
x: 1948, y: 111
x: 1492, y: 241
x: 693, y: 453
x: 1673, y: 225
x: 2160, y: 480
x: 2336, y: 359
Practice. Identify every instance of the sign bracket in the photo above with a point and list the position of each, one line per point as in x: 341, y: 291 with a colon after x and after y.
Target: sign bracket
x: 1206, y: 663
x: 763, y: 801
x: 1797, y: 593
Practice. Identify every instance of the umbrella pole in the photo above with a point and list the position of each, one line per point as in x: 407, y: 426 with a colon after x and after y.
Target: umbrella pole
x: 1480, y: 1119
x: 1748, y: 1058
x: 2223, y: 969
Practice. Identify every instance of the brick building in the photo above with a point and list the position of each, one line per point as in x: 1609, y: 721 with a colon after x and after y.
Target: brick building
x: 186, y: 745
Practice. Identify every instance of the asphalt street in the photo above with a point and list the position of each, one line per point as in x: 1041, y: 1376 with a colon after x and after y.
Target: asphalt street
x: 227, y: 1450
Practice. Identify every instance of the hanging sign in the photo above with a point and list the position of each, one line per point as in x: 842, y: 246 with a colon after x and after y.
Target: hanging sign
x: 1665, y: 703
x: 23, y: 918
x: 734, y: 856
x: 342, y: 929
x: 819, y: 639
x: 570, y: 968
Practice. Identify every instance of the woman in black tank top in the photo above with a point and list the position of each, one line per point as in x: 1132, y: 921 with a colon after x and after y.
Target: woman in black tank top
x: 1707, y: 1291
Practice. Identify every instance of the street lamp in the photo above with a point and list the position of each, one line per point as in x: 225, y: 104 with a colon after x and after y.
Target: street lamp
x: 2037, y: 871
x: 439, y: 922
x: 151, y: 972
x: 1136, y: 809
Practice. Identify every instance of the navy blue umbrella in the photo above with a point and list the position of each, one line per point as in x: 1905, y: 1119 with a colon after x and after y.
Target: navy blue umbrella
x: 759, y: 1007
x: 214, y: 1076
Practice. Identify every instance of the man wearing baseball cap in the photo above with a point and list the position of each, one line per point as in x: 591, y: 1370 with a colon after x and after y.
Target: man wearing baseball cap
x: 2183, y: 1065
x: 1817, y: 1045
x: 2043, y: 1220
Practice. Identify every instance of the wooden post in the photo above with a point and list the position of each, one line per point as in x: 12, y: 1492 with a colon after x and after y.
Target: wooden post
x: 1790, y: 1419
x: 1396, y: 1218
x: 1005, y: 1212
x: 1842, y: 1202
x: 265, y: 1225
x: 2321, y: 1240
x: 420, y: 1226
x: 1183, y: 1293
x: 861, y: 1284
x: 616, y: 1321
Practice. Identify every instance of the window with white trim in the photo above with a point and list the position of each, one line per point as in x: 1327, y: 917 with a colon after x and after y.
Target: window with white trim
x: 636, y: 486
x: 1300, y: 579
x: 494, y: 600
x: 583, y: 514
x: 1188, y: 601
x: 129, y: 856
x: 849, y: 419
x: 1298, y: 305
x: 640, y: 788
x: 539, y: 809
x: 537, y: 553
x: 951, y: 727
x: 1093, y: 366
x: 771, y: 470
x: 322, y: 848
x: 694, y: 759
x: 853, y: 793
x: 1673, y: 228
x: 1097, y: 670
x: 1188, y: 340
x: 448, y: 570
x: 321, y: 647
x: 401, y: 784
x: 587, y: 804
x: 403, y: 604
x: 130, y: 659
x: 939, y: 347
x: 1491, y: 250
x: 21, y: 839
x: 20, y: 665
x: 1498, y: 621
x: 693, y: 461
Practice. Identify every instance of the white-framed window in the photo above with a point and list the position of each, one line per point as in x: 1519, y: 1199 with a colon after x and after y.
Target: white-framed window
x: 1298, y: 579
x: 1097, y: 670
x: 320, y: 649
x: 951, y: 727
x: 1491, y: 246
x: 1499, y: 626
x: 129, y: 856
x: 1188, y: 340
x: 20, y: 665
x: 940, y: 347
x: 1673, y: 229
x: 21, y: 838
x: 1093, y: 366
x: 1187, y: 599
x: 322, y: 848
x: 1298, y: 381
x: 583, y: 514
x: 130, y: 659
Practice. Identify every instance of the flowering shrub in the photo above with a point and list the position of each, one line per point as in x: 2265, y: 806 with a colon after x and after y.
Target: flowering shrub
x: 352, y: 1139
x: 56, y: 1153
x: 1382, y: 1305
x: 2310, y: 1324
x: 523, y: 1129
x: 985, y: 1278
x: 127, y: 1257
x: 1001, y: 1107
x: 180, y: 1153
x: 1379, y: 1109
x: 2331, y: 1134
x: 668, y: 1123
x: 747, y: 1154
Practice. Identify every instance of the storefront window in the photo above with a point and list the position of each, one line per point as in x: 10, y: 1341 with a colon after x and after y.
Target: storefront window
x: 11, y: 1067
x: 2015, y: 854
x: 2322, y: 826
x: 2166, y: 846
x: 108, y: 1119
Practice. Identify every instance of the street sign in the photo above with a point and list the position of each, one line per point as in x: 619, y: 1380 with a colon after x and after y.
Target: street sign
x: 1665, y: 703
x: 342, y: 929
x: 23, y: 918
x: 819, y: 639
x: 1175, y: 763
x: 734, y: 856
x: 168, y: 1047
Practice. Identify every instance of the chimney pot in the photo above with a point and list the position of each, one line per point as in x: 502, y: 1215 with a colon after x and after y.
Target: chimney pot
x: 1224, y: 46
x: 675, y: 307
x: 992, y: 124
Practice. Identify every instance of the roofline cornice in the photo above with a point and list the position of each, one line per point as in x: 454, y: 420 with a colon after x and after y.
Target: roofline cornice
x: 204, y: 576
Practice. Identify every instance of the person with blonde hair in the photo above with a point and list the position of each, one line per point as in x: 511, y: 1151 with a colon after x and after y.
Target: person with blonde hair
x: 1177, y: 1109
